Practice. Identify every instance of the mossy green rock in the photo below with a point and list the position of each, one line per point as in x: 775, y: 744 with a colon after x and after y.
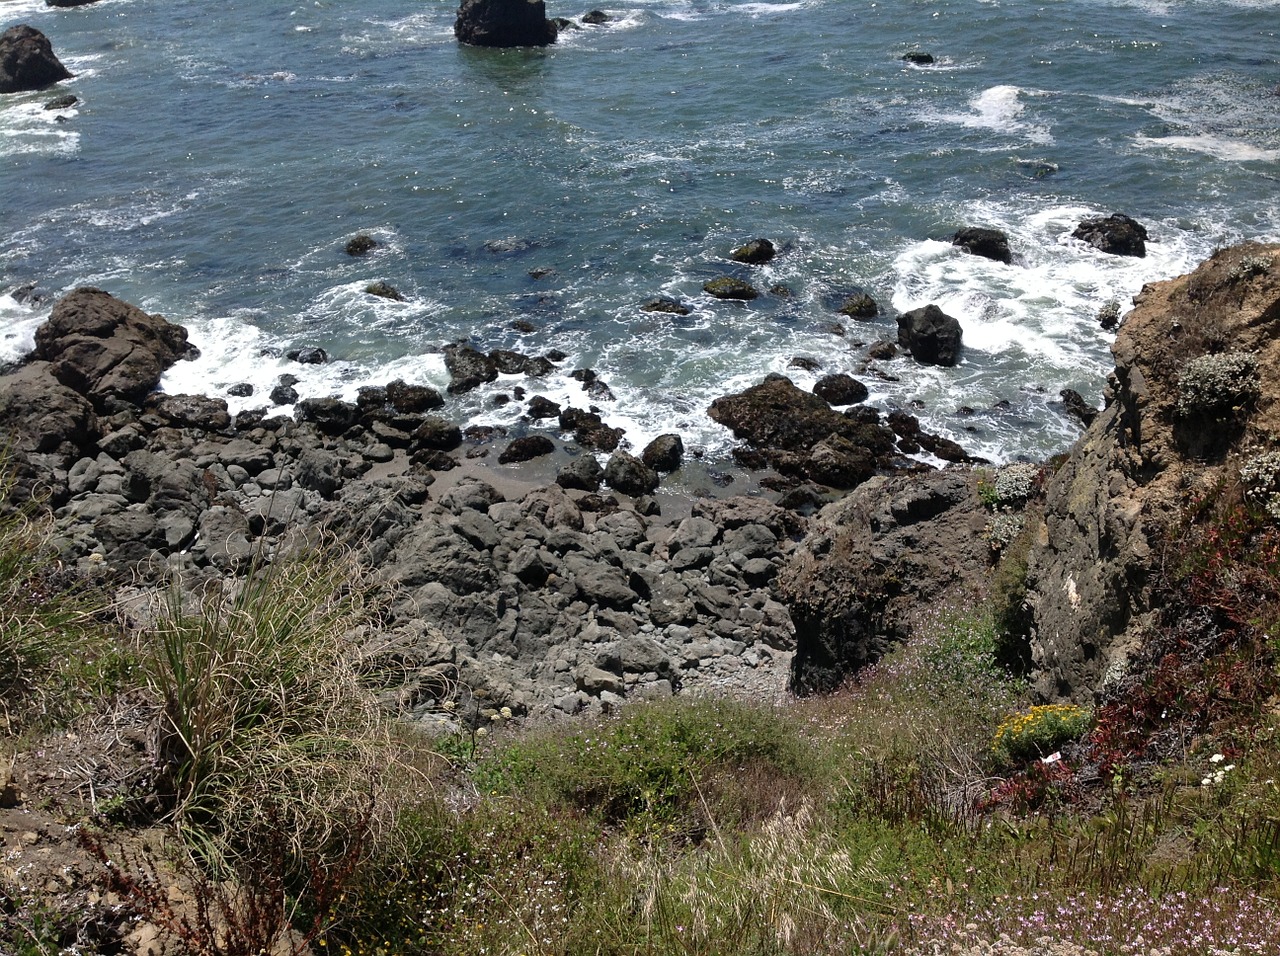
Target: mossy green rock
x: 727, y: 287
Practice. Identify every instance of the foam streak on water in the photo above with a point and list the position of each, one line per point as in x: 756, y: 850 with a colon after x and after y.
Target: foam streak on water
x: 221, y: 155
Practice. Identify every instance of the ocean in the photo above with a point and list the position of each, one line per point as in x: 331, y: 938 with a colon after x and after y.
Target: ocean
x: 222, y: 154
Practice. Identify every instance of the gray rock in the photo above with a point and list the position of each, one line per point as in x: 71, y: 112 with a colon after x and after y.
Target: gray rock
x: 629, y: 475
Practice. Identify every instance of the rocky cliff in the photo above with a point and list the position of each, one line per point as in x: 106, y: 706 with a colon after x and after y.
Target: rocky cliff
x: 1192, y: 402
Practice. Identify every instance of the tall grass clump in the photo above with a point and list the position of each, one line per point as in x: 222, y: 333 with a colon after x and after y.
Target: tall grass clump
x: 266, y: 726
x: 58, y: 656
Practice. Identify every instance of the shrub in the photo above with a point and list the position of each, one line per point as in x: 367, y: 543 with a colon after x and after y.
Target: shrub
x: 1038, y: 732
x: 1109, y: 314
x: 1218, y: 385
x: 266, y: 724
x: 1260, y: 478
x: 1002, y: 529
x: 1248, y: 267
x: 1015, y: 483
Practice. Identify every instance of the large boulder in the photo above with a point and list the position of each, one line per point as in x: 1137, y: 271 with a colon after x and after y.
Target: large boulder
x: 873, y: 558
x: 27, y: 61
x: 106, y: 349
x: 988, y: 243
x: 777, y: 414
x: 468, y: 368
x: 504, y: 23
x: 930, y: 335
x: 1117, y: 235
x: 40, y: 414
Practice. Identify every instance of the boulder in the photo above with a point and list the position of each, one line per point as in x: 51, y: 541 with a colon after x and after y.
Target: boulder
x: 384, y: 290
x: 412, y: 399
x: 840, y: 389
x: 191, y: 411
x: 504, y: 23
x: 629, y: 475
x: 62, y: 102
x: 918, y: 58
x: 663, y: 453
x: 308, y: 355
x: 361, y: 245
x: 666, y: 304
x: 331, y: 416
x: 930, y: 335
x: 727, y: 287
x: 1116, y: 235
x: 107, y: 350
x: 582, y: 474
x: 542, y: 407
x: 859, y: 305
x: 40, y: 414
x: 526, y: 448
x: 988, y: 243
x: 756, y: 252
x: 27, y: 61
x: 468, y: 368
x: 596, y: 17
x: 777, y: 414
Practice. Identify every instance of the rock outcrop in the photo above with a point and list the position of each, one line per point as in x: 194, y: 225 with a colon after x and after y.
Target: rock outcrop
x: 1116, y: 235
x: 1150, y: 449
x: 27, y: 61
x: 930, y: 335
x: 504, y: 23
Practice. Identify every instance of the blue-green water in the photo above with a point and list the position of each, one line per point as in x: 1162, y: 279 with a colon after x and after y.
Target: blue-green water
x: 223, y: 153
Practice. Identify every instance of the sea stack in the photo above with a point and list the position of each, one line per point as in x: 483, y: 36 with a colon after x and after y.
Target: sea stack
x: 504, y: 23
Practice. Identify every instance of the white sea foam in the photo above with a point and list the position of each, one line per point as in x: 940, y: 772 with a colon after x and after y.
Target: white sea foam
x: 998, y: 108
x: 18, y: 324
x: 27, y: 127
x: 1219, y: 147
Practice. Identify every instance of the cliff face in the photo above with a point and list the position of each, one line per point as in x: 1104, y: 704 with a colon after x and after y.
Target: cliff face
x: 1176, y: 423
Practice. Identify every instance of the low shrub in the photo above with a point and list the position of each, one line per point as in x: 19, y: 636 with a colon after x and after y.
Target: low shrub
x: 1218, y: 385
x: 1038, y: 732
x: 656, y: 764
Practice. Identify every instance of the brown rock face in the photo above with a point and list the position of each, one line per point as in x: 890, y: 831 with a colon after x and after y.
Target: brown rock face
x: 27, y: 61
x: 106, y: 349
x: 1131, y: 473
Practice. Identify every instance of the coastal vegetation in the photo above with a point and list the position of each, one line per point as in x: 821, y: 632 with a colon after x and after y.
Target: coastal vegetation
x: 925, y: 807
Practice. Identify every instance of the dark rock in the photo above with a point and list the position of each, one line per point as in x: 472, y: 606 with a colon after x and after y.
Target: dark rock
x: 1077, y: 407
x: 504, y: 23
x: 590, y: 430
x: 62, y: 102
x: 629, y: 475
x: 330, y: 415
x: 310, y: 355
x: 664, y: 453
x: 284, y: 394
x: 727, y: 287
x: 68, y: 3
x: 781, y: 290
x: 361, y: 244
x: 384, y: 290
x: 1117, y: 235
x: 526, y: 448
x: 509, y: 362
x: 756, y: 252
x: 664, y: 303
x: 412, y: 399
x: 437, y: 434
x: 882, y: 351
x: 839, y: 463
x: 40, y: 414
x: 988, y: 243
x: 191, y: 411
x: 541, y: 407
x: 840, y: 389
x: 106, y: 349
x: 471, y: 493
x: 599, y: 391
x: 918, y: 58
x: 27, y: 61
x: 804, y: 363
x: 596, y: 17
x: 859, y: 305
x: 583, y: 474
x: 468, y: 368
x: 776, y: 414
x: 240, y: 390
x: 930, y: 335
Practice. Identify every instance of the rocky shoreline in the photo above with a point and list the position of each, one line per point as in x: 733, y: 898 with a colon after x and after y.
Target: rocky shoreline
x: 521, y: 573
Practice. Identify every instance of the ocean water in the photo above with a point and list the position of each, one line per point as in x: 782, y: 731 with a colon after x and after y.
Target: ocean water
x: 222, y: 154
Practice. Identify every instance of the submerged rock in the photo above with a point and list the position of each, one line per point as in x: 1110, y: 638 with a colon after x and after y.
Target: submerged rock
x: 756, y: 252
x: 727, y: 287
x: 988, y: 243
